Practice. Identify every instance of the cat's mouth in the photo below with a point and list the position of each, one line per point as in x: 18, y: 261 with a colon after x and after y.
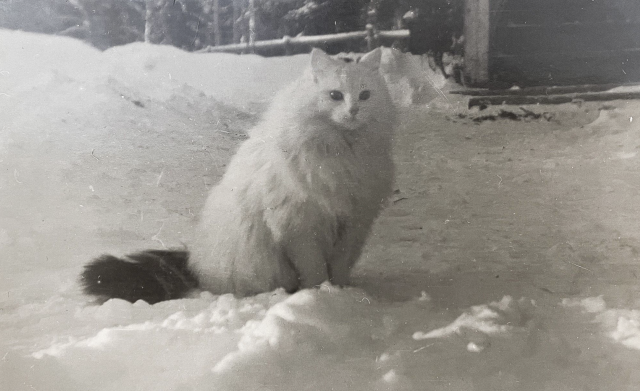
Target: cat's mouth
x: 349, y: 122
x: 352, y: 124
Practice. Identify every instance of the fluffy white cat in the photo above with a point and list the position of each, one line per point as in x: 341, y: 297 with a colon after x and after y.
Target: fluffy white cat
x: 296, y: 203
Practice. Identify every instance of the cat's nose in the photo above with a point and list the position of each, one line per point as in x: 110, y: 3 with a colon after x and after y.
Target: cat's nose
x: 353, y: 110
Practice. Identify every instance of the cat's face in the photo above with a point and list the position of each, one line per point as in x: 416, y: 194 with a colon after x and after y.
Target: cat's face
x: 351, y: 94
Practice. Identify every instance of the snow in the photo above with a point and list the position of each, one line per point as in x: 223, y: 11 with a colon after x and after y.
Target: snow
x: 621, y: 325
x: 481, y: 319
x: 507, y: 259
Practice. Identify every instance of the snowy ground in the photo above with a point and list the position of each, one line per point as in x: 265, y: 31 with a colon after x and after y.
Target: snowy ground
x: 508, y: 259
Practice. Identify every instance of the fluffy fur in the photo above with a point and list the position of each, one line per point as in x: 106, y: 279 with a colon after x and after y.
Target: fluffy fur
x: 298, y: 199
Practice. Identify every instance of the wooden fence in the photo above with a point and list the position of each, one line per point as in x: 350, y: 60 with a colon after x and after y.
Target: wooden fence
x: 372, y: 38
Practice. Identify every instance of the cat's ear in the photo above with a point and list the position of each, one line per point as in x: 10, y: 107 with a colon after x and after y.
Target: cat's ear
x: 320, y: 61
x: 372, y: 59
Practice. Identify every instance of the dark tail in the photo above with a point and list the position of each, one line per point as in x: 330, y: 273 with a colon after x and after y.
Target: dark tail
x: 152, y: 276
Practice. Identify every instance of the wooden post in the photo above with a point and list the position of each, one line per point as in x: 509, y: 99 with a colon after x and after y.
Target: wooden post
x: 370, y: 38
x: 286, y: 42
x: 252, y: 23
x: 237, y: 12
x: 371, y: 27
x: 398, y: 22
x: 217, y: 39
x: 476, y: 49
x: 147, y: 21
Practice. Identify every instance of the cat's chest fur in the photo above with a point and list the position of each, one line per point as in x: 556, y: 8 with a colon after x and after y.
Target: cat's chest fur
x: 315, y: 181
x: 340, y: 173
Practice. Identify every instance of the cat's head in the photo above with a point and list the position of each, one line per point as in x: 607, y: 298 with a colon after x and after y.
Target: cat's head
x: 351, y: 92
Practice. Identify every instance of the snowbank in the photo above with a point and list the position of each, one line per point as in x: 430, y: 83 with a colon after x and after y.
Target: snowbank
x: 328, y: 338
x: 30, y: 60
x: 157, y: 73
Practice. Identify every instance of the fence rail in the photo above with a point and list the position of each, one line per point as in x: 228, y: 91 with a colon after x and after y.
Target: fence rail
x: 290, y: 42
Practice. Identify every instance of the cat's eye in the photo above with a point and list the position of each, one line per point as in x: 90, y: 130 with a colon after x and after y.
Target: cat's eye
x: 336, y: 95
x: 364, y: 95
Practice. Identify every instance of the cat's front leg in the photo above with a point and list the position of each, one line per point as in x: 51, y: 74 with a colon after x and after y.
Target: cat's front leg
x: 347, y: 250
x: 309, y: 260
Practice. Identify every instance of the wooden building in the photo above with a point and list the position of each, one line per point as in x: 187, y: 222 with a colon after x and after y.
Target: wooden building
x: 551, y: 42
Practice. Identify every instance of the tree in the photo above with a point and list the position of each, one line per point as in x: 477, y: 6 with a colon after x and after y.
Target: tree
x: 47, y: 17
x: 108, y: 23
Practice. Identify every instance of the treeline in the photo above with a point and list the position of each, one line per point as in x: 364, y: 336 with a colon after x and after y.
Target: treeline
x: 195, y: 24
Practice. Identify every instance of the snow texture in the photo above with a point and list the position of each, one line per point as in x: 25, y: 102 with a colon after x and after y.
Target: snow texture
x: 507, y: 259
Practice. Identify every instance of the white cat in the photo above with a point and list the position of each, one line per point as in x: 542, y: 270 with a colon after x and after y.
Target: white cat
x: 296, y: 203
